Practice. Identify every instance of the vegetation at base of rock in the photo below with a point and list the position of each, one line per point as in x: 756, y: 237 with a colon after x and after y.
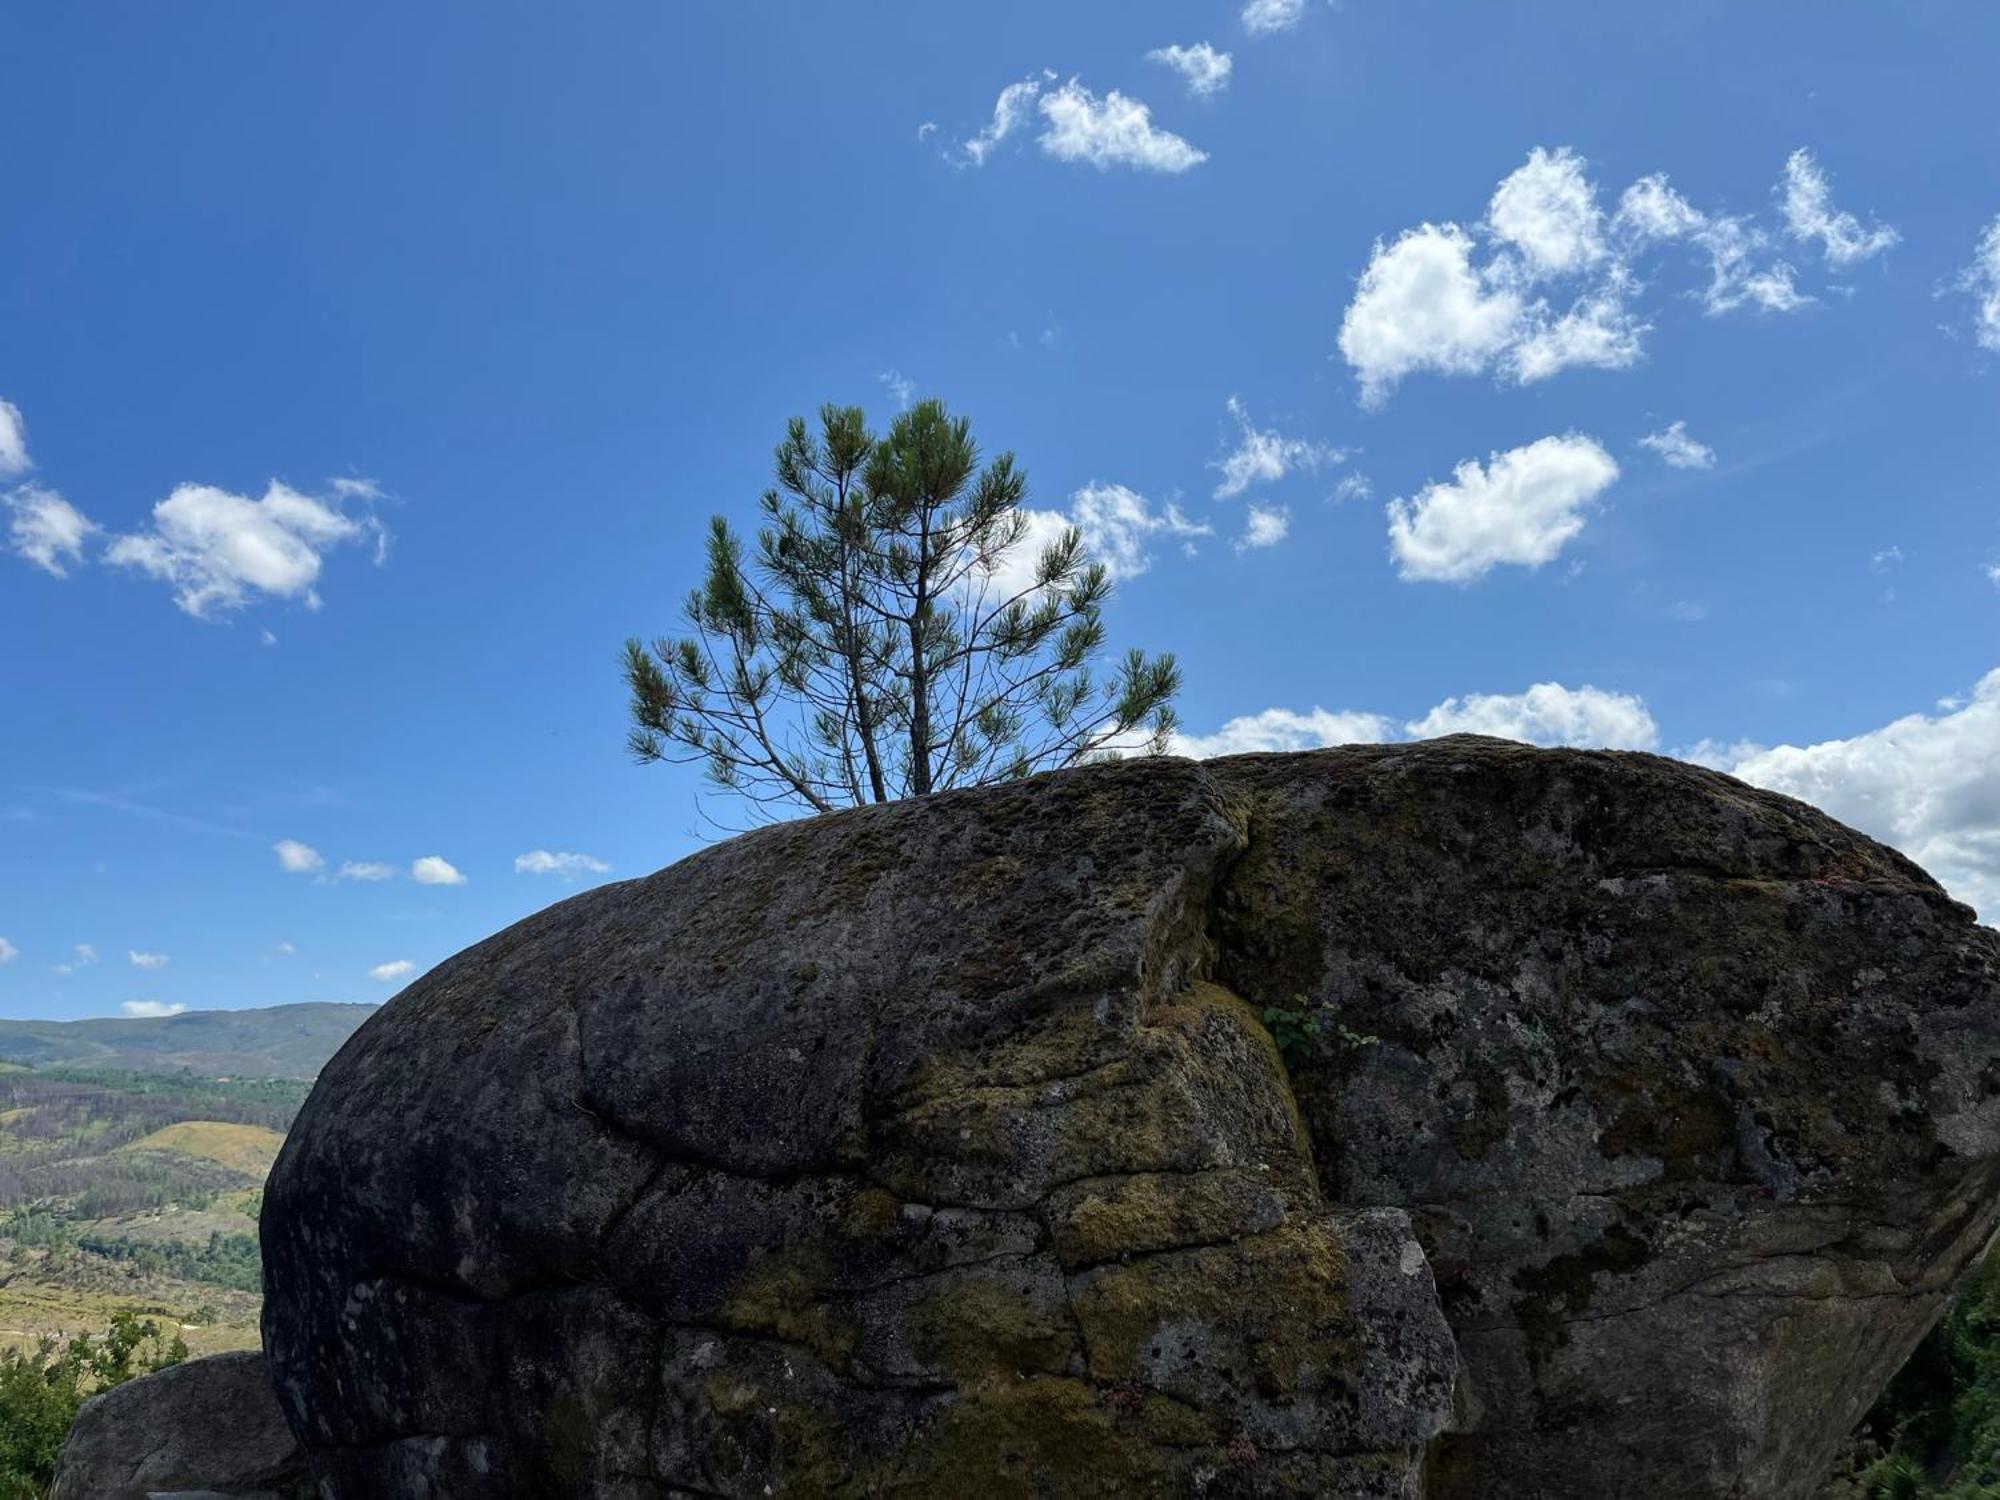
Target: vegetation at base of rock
x: 1937, y: 1427
x: 886, y: 641
x: 42, y: 1388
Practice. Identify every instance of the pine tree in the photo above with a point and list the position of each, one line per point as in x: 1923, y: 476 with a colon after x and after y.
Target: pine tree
x: 889, y: 638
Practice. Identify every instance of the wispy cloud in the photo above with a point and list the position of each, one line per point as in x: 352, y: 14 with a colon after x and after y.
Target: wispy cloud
x: 82, y: 956
x: 148, y: 961
x: 295, y: 858
x: 1265, y: 455
x: 1119, y: 527
x: 1677, y: 449
x: 566, y: 865
x: 391, y: 972
x: 46, y: 529
x: 1981, y: 280
x: 1269, y: 17
x: 901, y: 390
x: 13, y: 441
x: 1810, y: 215
x: 1203, y: 69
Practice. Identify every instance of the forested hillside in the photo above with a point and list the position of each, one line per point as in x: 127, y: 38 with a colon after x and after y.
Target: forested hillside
x: 280, y: 1041
x: 130, y: 1191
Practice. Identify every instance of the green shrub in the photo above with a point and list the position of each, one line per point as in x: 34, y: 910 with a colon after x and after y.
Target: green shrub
x: 1939, y: 1421
x: 41, y: 1389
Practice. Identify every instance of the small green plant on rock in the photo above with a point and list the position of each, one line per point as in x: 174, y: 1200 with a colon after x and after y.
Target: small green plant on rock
x: 1303, y: 1030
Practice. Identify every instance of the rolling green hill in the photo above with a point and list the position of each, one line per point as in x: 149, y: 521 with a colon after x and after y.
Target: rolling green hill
x: 281, y: 1041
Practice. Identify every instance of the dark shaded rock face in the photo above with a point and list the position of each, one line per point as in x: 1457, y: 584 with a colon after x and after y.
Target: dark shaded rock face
x: 207, y: 1427
x: 937, y: 1147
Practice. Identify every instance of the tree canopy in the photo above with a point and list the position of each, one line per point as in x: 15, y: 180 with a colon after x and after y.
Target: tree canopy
x: 901, y: 626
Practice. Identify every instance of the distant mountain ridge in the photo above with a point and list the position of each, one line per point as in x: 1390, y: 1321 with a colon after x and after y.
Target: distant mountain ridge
x: 278, y: 1041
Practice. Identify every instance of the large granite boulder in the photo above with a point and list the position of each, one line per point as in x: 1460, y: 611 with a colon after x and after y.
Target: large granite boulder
x: 208, y: 1427
x: 939, y: 1146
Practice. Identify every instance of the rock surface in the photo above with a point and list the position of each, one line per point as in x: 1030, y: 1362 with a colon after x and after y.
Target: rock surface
x: 209, y: 1427
x: 938, y: 1146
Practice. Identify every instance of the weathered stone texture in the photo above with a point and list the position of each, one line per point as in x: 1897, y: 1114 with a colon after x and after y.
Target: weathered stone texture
x: 938, y: 1147
x: 208, y: 1427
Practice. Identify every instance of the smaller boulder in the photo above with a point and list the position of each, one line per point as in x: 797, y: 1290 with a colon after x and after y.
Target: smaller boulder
x: 209, y: 1427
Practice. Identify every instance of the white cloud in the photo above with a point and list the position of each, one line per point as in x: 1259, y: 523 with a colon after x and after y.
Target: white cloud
x: 1267, y: 17
x: 1993, y: 574
x: 1285, y: 729
x: 219, y: 549
x: 1205, y: 70
x: 1810, y: 215
x: 1521, y: 508
x: 286, y: 950
x: 8, y: 952
x: 431, y: 870
x: 1114, y: 131
x: 13, y: 441
x: 568, y: 866
x: 1546, y: 714
x: 1354, y: 487
x: 1737, y: 278
x: 1010, y: 112
x: 151, y: 1010
x: 295, y: 858
x: 1420, y: 305
x: 366, y: 869
x: 1264, y: 456
x: 1547, y: 211
x: 1650, y: 210
x: 1927, y: 783
x: 1544, y: 281
x: 1266, y: 526
x: 899, y: 387
x: 1678, y: 450
x: 46, y: 529
x: 148, y: 961
x: 1078, y: 126
x: 1982, y: 280
x: 1118, y: 524
x: 389, y: 973
x: 1886, y: 559
x: 1598, y: 331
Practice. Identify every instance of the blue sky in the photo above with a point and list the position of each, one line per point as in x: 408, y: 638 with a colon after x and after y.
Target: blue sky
x: 371, y: 372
